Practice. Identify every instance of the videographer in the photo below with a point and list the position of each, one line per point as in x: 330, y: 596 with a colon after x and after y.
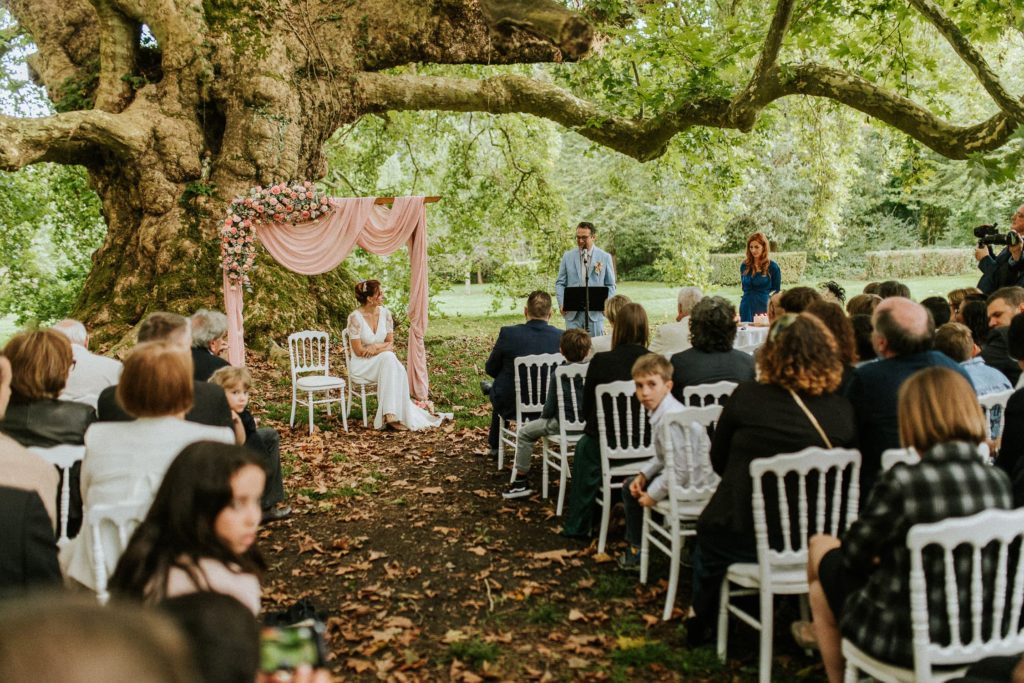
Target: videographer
x: 1007, y: 268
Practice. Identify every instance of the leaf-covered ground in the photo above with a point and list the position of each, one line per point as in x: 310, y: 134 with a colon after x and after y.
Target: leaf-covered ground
x: 426, y: 573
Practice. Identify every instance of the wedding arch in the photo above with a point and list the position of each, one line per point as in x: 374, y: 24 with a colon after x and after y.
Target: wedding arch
x: 311, y: 234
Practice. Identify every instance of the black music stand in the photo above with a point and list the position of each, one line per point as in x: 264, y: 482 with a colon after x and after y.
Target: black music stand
x: 588, y: 299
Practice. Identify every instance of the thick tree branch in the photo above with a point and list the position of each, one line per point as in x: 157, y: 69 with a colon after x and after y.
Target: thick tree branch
x: 118, y: 37
x: 543, y: 18
x: 64, y: 32
x: 751, y: 99
x: 72, y: 138
x: 507, y: 94
x: 972, y: 58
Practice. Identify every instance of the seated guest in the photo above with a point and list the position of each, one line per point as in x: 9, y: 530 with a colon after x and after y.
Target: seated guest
x: 859, y: 589
x: 209, y: 339
x: 23, y: 469
x: 209, y: 405
x: 1011, y: 448
x: 575, y: 346
x: 872, y: 288
x: 862, y: 334
x: 40, y: 363
x: 629, y: 342
x: 532, y: 337
x: 653, y: 377
x: 954, y: 340
x: 841, y: 328
x: 792, y: 405
x: 263, y: 440
x: 612, y: 305
x: 1002, y: 306
x: 674, y: 337
x: 862, y: 304
x: 712, y: 357
x: 28, y: 558
x: 125, y: 461
x: 939, y: 308
x: 891, y: 288
x: 71, y: 639
x: 774, y: 309
x: 902, y: 339
x: 974, y: 314
x: 957, y: 297
x: 90, y: 373
x: 796, y: 299
x: 200, y: 533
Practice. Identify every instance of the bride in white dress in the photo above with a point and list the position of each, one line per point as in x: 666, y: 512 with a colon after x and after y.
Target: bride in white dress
x: 371, y: 334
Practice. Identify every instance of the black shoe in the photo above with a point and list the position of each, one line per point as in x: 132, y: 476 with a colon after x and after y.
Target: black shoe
x: 485, y: 387
x: 520, y: 488
x: 276, y: 514
x: 698, y: 632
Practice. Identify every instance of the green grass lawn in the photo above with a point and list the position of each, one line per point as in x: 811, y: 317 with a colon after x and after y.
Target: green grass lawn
x: 467, y: 311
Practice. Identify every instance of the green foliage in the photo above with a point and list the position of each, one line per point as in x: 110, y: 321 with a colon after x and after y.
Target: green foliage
x: 51, y: 225
x: 888, y: 265
x: 473, y: 652
x: 725, y: 268
x: 79, y: 92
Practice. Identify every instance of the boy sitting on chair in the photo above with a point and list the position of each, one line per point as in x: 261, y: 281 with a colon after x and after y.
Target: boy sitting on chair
x: 653, y: 376
x: 574, y: 345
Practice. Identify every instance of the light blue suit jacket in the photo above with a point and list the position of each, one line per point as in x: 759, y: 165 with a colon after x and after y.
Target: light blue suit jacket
x: 570, y: 274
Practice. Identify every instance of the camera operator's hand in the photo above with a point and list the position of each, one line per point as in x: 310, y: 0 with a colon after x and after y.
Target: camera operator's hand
x: 1015, y: 251
x: 981, y: 252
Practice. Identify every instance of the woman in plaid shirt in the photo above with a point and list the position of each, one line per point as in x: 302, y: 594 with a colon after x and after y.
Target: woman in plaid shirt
x: 860, y: 589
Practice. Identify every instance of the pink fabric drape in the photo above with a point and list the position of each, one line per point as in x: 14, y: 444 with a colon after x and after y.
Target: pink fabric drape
x: 317, y: 247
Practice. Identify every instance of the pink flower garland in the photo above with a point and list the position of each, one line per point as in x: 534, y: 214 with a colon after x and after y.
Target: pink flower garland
x: 280, y: 203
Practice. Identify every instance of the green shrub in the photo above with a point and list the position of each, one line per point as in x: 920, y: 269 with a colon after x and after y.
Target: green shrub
x: 904, y: 263
x: 725, y: 268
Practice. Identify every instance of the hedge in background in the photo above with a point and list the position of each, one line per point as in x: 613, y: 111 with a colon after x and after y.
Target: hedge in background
x: 725, y: 268
x: 894, y: 265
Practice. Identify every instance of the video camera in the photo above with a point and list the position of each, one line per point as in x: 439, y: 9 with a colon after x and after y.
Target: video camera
x: 990, y: 235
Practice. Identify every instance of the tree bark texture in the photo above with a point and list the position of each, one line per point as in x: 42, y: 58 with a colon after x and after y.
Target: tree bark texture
x: 246, y: 92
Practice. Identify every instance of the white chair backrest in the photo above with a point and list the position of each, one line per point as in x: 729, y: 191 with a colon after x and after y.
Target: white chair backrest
x: 64, y: 457
x: 531, y: 374
x: 837, y: 485
x: 715, y: 392
x: 891, y: 456
x: 309, y: 351
x: 346, y: 348
x: 624, y: 429
x: 994, y: 406
x: 570, y: 413
x: 690, y: 470
x: 106, y: 547
x: 980, y: 553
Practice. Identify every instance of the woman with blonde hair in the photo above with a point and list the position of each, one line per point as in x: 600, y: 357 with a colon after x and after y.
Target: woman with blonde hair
x: 791, y: 406
x: 760, y: 277
x: 612, y: 306
x: 859, y: 589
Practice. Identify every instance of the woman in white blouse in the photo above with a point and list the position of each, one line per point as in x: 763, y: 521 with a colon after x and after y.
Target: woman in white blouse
x: 371, y: 331
x: 125, y: 461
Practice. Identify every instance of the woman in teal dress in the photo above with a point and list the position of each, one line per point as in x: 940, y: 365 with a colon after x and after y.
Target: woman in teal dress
x: 760, y: 277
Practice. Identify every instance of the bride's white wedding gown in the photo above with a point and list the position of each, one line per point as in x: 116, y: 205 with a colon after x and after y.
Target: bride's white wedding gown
x: 388, y: 372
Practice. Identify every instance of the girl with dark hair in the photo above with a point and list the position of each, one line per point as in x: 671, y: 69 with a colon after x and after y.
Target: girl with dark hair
x: 200, y: 533
x: 760, y: 277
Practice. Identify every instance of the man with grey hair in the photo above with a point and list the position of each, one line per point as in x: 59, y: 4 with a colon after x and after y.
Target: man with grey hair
x: 672, y: 338
x: 902, y: 338
x: 209, y: 339
x: 91, y: 373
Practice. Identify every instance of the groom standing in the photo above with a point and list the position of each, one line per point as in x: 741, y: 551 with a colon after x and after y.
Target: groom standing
x: 597, y: 264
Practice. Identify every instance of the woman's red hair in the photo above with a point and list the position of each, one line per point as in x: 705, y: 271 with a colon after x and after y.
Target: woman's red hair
x: 761, y: 265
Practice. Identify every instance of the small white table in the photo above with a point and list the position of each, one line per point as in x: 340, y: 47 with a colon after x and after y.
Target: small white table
x: 748, y: 335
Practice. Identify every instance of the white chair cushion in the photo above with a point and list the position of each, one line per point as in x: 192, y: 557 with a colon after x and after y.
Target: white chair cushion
x: 319, y: 382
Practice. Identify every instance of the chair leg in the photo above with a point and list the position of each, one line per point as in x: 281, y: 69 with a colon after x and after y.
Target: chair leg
x: 309, y: 410
x: 606, y: 515
x: 291, y: 420
x: 673, y: 572
x: 645, y: 546
x: 563, y: 481
x: 344, y: 409
x: 544, y: 454
x: 65, y: 504
x: 850, y: 674
x: 764, y: 671
x: 501, y: 442
x: 723, y: 620
x: 363, y: 388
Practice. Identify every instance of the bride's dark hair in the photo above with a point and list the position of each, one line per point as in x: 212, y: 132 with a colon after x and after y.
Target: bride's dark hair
x: 365, y: 289
x: 178, y: 529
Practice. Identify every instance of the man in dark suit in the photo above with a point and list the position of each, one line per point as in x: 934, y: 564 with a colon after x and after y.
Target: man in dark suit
x: 209, y: 406
x: 1003, y: 305
x: 536, y: 335
x: 28, y: 549
x: 1007, y: 268
x: 209, y: 339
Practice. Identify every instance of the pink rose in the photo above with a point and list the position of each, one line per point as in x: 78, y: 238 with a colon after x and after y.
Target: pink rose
x: 259, y: 209
x: 305, y: 214
x: 309, y: 195
x: 236, y: 218
x: 227, y: 222
x: 275, y: 190
x: 306, y: 183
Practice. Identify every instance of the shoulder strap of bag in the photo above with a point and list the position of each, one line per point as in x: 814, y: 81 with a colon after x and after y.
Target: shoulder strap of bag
x: 810, y: 416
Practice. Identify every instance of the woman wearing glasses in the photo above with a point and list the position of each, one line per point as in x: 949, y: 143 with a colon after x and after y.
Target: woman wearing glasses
x: 791, y: 406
